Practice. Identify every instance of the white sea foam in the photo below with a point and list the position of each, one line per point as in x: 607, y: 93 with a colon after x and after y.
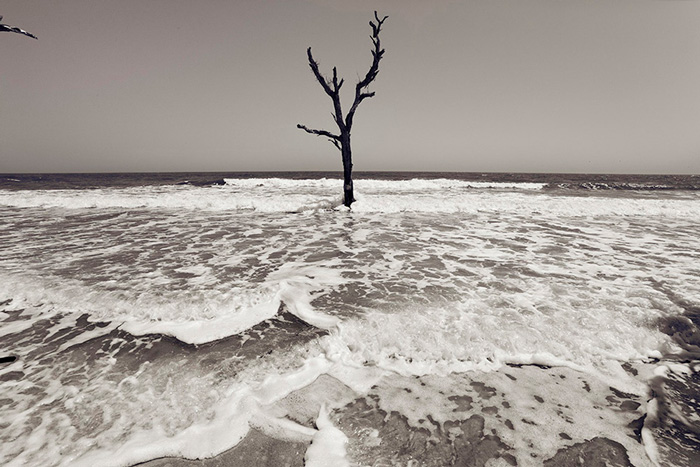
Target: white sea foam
x: 190, y: 318
x: 328, y: 444
x: 202, y: 331
x: 425, y: 279
x: 474, y: 335
x: 394, y: 186
x: 242, y: 407
x: 373, y: 196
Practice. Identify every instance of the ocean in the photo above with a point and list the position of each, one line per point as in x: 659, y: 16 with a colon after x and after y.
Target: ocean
x: 446, y: 319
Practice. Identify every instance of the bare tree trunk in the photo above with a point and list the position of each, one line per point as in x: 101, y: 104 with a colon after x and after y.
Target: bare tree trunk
x: 348, y: 195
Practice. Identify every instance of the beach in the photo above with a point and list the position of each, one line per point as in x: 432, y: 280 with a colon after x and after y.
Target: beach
x: 251, y: 319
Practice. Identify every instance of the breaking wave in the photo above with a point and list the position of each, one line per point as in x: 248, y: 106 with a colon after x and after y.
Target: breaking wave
x: 373, y: 196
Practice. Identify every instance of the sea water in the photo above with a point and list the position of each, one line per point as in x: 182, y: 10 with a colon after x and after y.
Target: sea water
x: 455, y: 318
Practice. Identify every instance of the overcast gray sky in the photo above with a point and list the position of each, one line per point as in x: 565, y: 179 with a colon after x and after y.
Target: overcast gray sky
x: 465, y: 85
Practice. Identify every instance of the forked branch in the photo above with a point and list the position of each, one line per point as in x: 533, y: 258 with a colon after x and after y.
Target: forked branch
x: 377, y: 54
x: 331, y: 87
x: 313, y: 64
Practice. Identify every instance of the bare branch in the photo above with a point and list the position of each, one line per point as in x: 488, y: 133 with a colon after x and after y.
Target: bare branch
x: 377, y: 54
x: 314, y: 67
x: 355, y: 104
x: 326, y: 85
x: 8, y: 28
x: 335, y: 139
x: 380, y: 21
x: 325, y: 133
x: 336, y: 84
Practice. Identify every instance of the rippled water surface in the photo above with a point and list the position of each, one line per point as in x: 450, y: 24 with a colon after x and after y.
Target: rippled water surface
x: 147, y: 320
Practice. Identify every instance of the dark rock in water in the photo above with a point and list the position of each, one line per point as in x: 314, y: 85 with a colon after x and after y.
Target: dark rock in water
x: 676, y: 429
x: 683, y: 328
x: 597, y: 452
x: 8, y: 359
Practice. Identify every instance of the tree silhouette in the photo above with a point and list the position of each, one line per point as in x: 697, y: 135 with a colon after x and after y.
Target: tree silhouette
x: 8, y: 28
x: 332, y: 88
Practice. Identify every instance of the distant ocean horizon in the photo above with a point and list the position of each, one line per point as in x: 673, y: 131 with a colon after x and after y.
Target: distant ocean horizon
x: 553, y: 180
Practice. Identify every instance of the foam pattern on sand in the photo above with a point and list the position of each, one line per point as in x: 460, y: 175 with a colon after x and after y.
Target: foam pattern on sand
x: 518, y: 416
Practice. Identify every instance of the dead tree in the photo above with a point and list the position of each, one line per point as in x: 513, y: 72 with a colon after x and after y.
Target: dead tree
x: 332, y: 88
x: 8, y: 28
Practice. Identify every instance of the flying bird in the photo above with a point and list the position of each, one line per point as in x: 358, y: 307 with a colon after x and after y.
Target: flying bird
x: 8, y: 28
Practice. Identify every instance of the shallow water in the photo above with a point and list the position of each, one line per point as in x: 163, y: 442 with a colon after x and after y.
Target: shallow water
x: 157, y: 320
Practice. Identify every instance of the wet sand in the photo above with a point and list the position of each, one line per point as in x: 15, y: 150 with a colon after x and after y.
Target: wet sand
x: 519, y: 415
x: 256, y: 449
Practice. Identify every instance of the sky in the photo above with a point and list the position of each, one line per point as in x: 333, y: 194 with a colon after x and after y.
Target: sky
x: 588, y: 86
